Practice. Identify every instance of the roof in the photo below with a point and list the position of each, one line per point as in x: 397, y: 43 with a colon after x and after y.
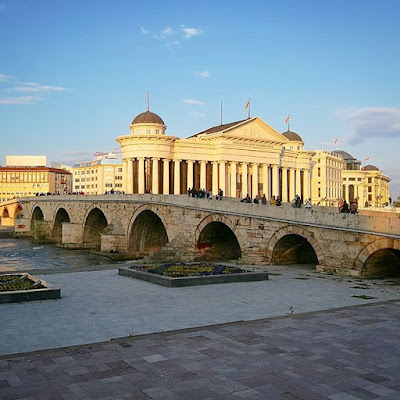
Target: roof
x: 148, y: 117
x: 292, y: 136
x: 344, y: 154
x: 218, y: 128
x: 370, y: 168
x: 34, y: 169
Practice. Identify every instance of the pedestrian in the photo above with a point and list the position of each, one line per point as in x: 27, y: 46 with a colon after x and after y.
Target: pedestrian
x: 263, y: 199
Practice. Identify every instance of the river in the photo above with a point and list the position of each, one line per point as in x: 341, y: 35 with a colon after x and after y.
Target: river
x: 22, y: 254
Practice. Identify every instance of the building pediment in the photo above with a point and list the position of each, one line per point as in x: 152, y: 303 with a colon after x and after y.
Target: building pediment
x: 254, y: 129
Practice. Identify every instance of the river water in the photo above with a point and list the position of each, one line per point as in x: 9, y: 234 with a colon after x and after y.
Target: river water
x: 22, y: 254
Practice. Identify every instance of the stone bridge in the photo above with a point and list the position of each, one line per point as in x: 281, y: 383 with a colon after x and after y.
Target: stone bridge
x: 171, y: 227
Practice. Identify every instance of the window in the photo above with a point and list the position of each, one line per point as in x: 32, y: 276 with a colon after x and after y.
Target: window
x: 148, y: 131
x: 157, y: 131
x: 108, y: 185
x: 369, y: 189
x: 369, y: 180
x: 319, y: 171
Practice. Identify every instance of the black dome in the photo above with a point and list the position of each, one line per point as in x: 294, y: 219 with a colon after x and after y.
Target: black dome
x: 148, y: 117
x: 292, y: 136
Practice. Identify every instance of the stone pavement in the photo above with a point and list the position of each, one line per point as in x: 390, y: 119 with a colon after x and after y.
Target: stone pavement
x: 345, y: 354
x: 101, y: 305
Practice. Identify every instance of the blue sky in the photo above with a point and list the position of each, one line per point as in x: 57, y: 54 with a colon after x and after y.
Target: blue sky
x: 73, y: 74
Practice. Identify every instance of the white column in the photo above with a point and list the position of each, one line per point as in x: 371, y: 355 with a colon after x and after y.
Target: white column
x: 244, y: 180
x: 215, y: 178
x: 254, y: 189
x: 284, y: 185
x: 141, y: 175
x: 177, y: 177
x: 265, y: 180
x: 298, y: 184
x: 292, y: 192
x: 307, y: 183
x: 203, y: 174
x: 232, y: 192
x: 124, y: 174
x: 275, y: 181
x: 222, y: 177
x: 166, y: 176
x: 129, y: 177
x: 190, y: 174
x: 155, y: 176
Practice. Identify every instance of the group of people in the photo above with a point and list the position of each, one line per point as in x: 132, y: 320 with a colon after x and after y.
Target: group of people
x: 202, y: 194
x: 275, y: 201
x: 345, y: 208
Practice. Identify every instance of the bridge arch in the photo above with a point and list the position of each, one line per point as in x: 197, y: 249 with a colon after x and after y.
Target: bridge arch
x: 18, y: 210
x: 5, y: 213
x: 294, y: 245
x: 61, y: 215
x: 146, y: 231
x: 37, y: 215
x: 380, y: 258
x: 216, y: 239
x: 94, y: 224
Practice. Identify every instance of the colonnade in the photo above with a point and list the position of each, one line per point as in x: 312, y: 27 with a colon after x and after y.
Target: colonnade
x: 235, y: 179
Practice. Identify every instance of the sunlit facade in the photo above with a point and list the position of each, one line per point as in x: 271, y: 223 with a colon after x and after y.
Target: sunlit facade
x: 326, y: 178
x: 102, y: 174
x: 240, y: 158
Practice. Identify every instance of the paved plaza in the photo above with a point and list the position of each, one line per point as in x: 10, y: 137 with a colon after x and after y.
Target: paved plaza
x: 300, y: 335
x: 347, y: 354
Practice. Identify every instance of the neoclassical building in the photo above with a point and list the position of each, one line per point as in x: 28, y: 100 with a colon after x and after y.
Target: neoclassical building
x: 369, y: 185
x: 242, y: 157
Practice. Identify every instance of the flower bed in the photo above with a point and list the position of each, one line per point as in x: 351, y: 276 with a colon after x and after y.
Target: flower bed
x: 25, y: 287
x: 181, y: 274
x: 176, y: 270
x: 9, y: 283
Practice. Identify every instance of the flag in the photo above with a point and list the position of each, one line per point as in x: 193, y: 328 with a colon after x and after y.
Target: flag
x: 336, y: 141
x: 287, y: 119
x: 366, y: 158
x: 247, y: 105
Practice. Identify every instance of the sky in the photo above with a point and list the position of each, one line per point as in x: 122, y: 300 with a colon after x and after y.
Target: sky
x: 74, y: 74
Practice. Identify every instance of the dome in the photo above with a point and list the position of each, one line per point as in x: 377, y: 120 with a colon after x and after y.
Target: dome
x: 343, y: 154
x: 292, y: 136
x: 148, y: 117
x: 370, y: 168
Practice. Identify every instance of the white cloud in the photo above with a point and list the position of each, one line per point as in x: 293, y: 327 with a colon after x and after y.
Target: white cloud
x: 190, y: 32
x: 202, y: 74
x: 37, y: 87
x: 372, y: 122
x: 167, y: 31
x: 172, y: 36
x: 193, y: 102
x: 19, y: 100
x: 198, y: 114
x: 4, y: 78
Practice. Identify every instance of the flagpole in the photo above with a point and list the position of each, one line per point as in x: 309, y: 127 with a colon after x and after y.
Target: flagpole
x: 249, y: 110
x: 148, y: 101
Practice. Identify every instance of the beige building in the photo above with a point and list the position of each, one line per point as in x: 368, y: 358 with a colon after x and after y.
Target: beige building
x: 102, y: 174
x: 367, y: 184
x: 326, y: 178
x: 242, y: 157
x: 31, y: 181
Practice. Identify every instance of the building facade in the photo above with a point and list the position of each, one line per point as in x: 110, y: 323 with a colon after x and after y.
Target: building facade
x: 366, y: 184
x: 32, y: 181
x: 102, y: 174
x: 240, y: 158
x: 326, y: 178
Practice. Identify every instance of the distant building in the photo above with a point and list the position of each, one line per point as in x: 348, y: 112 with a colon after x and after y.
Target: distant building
x: 102, y: 174
x: 326, y: 178
x: 26, y: 161
x: 367, y: 184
